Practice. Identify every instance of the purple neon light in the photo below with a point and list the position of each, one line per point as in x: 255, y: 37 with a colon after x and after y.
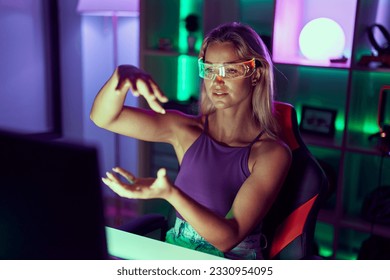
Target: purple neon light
x: 292, y: 15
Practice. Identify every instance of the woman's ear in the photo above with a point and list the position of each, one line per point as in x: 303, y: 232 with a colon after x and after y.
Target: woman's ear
x: 256, y: 77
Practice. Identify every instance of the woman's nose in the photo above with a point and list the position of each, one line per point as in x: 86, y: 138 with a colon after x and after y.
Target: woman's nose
x: 218, y: 79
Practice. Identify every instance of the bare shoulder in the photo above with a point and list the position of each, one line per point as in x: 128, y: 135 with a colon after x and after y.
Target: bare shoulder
x: 185, y: 128
x: 182, y: 120
x: 270, y: 152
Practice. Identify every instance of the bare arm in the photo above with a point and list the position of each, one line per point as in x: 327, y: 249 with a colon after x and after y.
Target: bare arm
x: 250, y: 205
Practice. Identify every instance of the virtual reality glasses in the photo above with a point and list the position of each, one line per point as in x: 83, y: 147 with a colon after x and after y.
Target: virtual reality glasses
x: 228, y: 71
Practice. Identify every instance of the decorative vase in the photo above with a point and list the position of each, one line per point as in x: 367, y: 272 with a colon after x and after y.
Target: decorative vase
x: 191, y: 40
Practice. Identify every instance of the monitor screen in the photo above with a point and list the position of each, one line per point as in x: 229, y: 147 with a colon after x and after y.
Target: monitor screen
x: 50, y: 200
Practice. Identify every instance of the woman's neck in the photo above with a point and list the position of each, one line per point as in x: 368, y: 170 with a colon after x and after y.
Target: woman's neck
x: 232, y: 128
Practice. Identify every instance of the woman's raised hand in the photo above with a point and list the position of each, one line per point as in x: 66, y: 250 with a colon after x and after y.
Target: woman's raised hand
x: 140, y: 188
x: 141, y: 83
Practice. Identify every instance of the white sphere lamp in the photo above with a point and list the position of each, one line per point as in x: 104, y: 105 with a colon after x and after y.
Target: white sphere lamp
x: 322, y: 39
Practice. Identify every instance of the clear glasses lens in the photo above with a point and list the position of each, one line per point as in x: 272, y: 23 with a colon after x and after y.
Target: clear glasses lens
x: 227, y: 70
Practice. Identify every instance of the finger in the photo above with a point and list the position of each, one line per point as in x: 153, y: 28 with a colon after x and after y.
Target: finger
x: 106, y: 181
x: 135, y: 93
x: 155, y: 106
x: 133, y: 88
x: 123, y: 172
x: 123, y: 85
x: 144, y: 88
x: 162, y: 176
x: 129, y: 176
x: 119, y: 189
x: 115, y: 188
x: 158, y: 93
x: 112, y: 177
x: 150, y: 97
x: 162, y: 172
x: 148, y: 84
x: 134, y: 85
x: 112, y: 185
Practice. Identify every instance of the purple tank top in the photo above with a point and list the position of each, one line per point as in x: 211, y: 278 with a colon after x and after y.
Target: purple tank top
x: 212, y: 173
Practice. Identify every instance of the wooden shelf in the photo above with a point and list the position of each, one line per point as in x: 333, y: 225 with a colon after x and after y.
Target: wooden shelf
x: 158, y: 52
x: 323, y: 141
x: 355, y: 223
x: 359, y: 224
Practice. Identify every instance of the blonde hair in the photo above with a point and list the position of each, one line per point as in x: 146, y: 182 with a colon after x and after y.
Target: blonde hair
x: 248, y: 45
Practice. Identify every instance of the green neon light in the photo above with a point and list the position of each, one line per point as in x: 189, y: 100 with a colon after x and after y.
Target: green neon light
x: 365, y: 98
x: 346, y: 256
x: 324, y: 238
x: 185, y: 9
x: 340, y: 122
x: 370, y: 128
x: 187, y: 74
x: 299, y: 113
x: 325, y: 252
x: 187, y: 77
x: 188, y: 7
x: 182, y: 88
x: 338, y: 77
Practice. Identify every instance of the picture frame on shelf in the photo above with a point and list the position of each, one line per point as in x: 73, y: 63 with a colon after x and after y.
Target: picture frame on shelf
x: 316, y: 120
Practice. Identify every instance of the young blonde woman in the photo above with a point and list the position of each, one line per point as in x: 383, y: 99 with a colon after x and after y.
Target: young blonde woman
x: 232, y: 163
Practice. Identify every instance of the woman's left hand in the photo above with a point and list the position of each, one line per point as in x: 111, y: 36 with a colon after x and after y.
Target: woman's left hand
x: 140, y: 188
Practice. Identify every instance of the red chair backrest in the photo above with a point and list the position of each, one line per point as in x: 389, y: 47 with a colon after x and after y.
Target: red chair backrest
x: 290, y: 224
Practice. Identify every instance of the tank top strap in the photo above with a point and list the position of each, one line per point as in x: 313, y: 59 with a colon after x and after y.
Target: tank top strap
x: 257, y: 137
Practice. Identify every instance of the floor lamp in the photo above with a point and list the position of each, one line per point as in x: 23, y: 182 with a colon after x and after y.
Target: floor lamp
x: 113, y: 9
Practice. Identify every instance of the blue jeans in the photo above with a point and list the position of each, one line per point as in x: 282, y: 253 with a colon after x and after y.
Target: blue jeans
x: 183, y: 234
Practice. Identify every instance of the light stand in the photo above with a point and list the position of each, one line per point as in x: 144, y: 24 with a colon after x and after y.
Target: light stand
x: 113, y: 9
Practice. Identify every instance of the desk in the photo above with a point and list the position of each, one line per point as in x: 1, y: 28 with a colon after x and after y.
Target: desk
x: 130, y: 246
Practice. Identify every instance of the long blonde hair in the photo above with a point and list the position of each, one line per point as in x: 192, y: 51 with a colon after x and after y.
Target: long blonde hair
x: 248, y: 45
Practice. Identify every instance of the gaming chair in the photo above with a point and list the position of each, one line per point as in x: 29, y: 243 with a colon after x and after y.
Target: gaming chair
x: 290, y: 224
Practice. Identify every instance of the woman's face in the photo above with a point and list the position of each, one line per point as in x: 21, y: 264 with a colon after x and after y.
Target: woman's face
x: 226, y: 93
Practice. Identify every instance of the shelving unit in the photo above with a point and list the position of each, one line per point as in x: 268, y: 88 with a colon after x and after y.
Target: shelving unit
x: 164, y: 54
x: 353, y: 91
x: 350, y: 159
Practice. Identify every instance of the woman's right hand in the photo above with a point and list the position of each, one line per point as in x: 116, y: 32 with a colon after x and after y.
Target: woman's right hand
x: 139, y: 188
x: 141, y: 83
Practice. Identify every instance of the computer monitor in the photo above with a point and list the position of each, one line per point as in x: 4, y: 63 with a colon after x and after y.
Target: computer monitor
x: 51, y: 203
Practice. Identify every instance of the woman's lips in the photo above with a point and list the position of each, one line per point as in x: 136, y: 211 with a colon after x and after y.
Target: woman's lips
x: 219, y: 94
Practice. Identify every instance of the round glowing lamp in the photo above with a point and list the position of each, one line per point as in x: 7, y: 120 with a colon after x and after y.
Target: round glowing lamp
x: 322, y: 39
